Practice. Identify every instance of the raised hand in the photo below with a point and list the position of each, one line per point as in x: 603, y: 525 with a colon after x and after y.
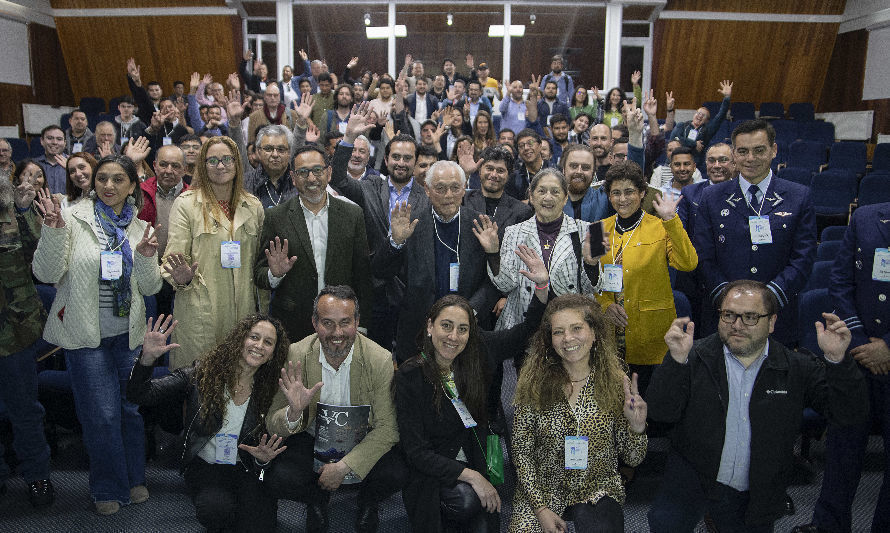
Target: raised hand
x: 148, y: 246
x: 401, y: 225
x: 207, y: 79
x: 666, y: 205
x: 279, y: 262
x: 408, y: 60
x: 471, y: 64
x: 104, y: 149
x: 833, y: 337
x: 247, y: 55
x: 535, y: 270
x: 24, y: 194
x: 194, y: 81
x: 61, y: 160
x: 633, y: 117
x: 596, y: 92
x: 874, y: 356
x: 312, y: 133
x: 233, y: 82
x: 451, y: 93
x: 725, y: 88
x: 50, y: 208
x: 465, y: 158
x: 291, y: 385
x: 352, y: 63
x: 616, y: 313
x: 134, y: 72
x: 304, y: 110
x: 303, y: 55
x: 440, y: 130
x: 156, y: 335
x: 679, y: 338
x: 636, y: 77
x: 179, y: 269
x: 234, y: 109
x: 536, y: 82
x: 635, y: 408
x: 137, y: 149
x: 669, y: 101
x: 486, y: 232
x: 266, y: 450
x: 157, y: 121
x: 359, y: 122
x: 650, y: 104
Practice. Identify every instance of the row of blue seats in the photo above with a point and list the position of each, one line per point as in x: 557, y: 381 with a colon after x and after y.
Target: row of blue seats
x: 94, y: 105
x: 835, y: 189
x: 800, y: 111
x: 787, y: 131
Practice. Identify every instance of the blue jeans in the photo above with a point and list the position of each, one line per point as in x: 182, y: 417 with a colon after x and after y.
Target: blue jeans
x: 681, y: 503
x: 113, y: 431
x: 18, y: 392
x: 844, y: 453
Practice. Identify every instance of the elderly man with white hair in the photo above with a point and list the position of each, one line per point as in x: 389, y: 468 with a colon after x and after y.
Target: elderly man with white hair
x: 436, y: 252
x: 357, y: 168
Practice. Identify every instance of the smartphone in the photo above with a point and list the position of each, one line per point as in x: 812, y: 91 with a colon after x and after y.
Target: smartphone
x: 595, y: 232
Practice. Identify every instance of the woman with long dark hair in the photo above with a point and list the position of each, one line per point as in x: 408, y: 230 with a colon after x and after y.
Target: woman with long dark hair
x: 573, y: 424
x: 226, y: 395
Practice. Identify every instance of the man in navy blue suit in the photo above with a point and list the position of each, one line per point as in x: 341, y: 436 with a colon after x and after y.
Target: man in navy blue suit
x: 860, y: 283
x: 756, y: 227
x: 421, y: 104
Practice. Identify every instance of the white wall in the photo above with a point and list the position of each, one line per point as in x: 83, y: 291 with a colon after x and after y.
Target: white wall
x: 15, y: 63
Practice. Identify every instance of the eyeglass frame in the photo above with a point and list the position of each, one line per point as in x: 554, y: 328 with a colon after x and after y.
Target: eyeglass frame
x: 736, y: 316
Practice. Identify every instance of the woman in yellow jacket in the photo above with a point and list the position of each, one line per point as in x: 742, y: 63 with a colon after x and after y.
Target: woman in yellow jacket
x: 213, y: 239
x: 637, y: 295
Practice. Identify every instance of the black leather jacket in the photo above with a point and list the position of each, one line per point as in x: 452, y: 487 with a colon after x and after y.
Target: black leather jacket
x: 142, y: 390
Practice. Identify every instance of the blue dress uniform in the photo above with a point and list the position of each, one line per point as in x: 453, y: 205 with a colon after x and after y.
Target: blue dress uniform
x: 726, y: 253
x: 862, y: 302
x: 690, y: 283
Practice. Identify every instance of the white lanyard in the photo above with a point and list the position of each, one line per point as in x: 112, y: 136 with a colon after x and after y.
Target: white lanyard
x: 579, y: 405
x: 108, y: 239
x: 436, y: 229
x: 269, y: 191
x: 748, y: 201
x: 620, y: 253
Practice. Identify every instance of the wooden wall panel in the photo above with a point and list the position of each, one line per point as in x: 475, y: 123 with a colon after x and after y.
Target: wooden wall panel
x: 817, y: 7
x: 167, y: 49
x: 770, y: 61
x: 49, y: 78
x: 101, y: 4
x: 845, y: 78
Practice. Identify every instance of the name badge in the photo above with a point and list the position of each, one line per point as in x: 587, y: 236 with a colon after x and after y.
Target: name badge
x: 760, y: 231
x: 881, y: 269
x: 168, y: 140
x: 453, y: 276
x: 124, y: 140
x: 226, y: 448
x: 520, y: 115
x: 464, y: 413
x: 372, y: 149
x: 576, y: 453
x: 613, y: 278
x: 230, y: 254
x: 615, y: 121
x: 76, y: 147
x: 112, y: 264
x: 341, y: 127
x: 693, y: 135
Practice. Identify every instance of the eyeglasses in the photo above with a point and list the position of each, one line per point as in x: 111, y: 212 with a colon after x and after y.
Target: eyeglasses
x: 303, y: 173
x: 280, y: 149
x: 619, y: 194
x: 445, y: 189
x: 226, y: 160
x: 748, y: 319
x: 524, y: 145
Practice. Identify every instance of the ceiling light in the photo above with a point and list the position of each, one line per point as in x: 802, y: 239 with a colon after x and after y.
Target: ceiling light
x: 367, y: 19
x: 383, y: 32
x: 450, y: 19
x: 531, y: 19
x: 497, y: 30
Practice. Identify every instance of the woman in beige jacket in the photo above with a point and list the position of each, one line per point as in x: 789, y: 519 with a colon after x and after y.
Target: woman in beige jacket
x: 213, y: 238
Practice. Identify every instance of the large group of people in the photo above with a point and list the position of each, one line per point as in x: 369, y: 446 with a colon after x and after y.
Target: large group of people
x: 341, y: 267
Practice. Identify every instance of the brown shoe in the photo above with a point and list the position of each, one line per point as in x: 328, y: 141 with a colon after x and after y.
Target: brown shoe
x: 107, y: 508
x: 138, y: 494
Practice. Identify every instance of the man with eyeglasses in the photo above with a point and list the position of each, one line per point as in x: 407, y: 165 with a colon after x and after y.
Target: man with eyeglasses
x: 191, y: 148
x: 757, y: 227
x: 312, y: 240
x: 158, y: 194
x: 377, y: 197
x: 528, y: 143
x: 270, y: 181
x: 435, y: 253
x: 735, y: 400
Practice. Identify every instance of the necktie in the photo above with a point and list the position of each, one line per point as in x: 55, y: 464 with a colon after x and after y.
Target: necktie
x: 754, y: 193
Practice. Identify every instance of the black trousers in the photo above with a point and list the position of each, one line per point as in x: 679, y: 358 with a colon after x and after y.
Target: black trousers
x: 606, y: 516
x: 228, y: 498
x: 291, y: 476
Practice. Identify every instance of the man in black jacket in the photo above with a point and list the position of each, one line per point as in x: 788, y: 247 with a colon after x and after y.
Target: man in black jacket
x: 736, y: 400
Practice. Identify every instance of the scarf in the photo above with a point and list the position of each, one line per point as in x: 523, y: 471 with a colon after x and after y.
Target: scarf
x: 278, y: 117
x: 114, y: 227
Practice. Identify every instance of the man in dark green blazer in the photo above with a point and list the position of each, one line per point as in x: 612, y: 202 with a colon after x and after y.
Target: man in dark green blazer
x: 327, y: 238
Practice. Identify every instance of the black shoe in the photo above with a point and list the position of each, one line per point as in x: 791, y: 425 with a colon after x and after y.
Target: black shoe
x: 41, y: 493
x: 808, y: 528
x: 317, y: 518
x: 790, y: 509
x: 368, y: 519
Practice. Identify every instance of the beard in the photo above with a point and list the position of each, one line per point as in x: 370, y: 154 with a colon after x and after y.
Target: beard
x: 578, y: 187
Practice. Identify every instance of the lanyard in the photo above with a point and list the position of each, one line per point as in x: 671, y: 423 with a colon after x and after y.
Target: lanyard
x: 617, y: 258
x: 579, y: 405
x: 108, y: 238
x: 436, y: 229
x: 269, y: 192
x: 748, y: 201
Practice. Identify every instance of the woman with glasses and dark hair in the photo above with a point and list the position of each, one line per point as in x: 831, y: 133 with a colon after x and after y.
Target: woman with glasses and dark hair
x: 577, y: 415
x: 102, y: 259
x: 636, y: 293
x: 212, y: 241
x: 226, y: 395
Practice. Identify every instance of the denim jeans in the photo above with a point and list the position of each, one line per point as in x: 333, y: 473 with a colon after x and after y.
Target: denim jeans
x: 113, y: 431
x: 18, y: 392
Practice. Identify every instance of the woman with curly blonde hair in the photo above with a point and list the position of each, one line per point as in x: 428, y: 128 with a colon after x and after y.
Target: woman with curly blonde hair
x: 212, y: 241
x: 226, y: 394
x: 573, y: 424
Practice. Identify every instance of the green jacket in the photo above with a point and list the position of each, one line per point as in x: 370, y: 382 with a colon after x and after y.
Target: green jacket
x: 21, y: 312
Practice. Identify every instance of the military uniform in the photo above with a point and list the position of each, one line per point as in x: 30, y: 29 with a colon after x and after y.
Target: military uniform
x: 21, y: 323
x: 726, y: 252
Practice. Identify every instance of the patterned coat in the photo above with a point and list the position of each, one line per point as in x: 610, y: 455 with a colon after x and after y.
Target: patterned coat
x: 538, y: 451
x: 21, y: 313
